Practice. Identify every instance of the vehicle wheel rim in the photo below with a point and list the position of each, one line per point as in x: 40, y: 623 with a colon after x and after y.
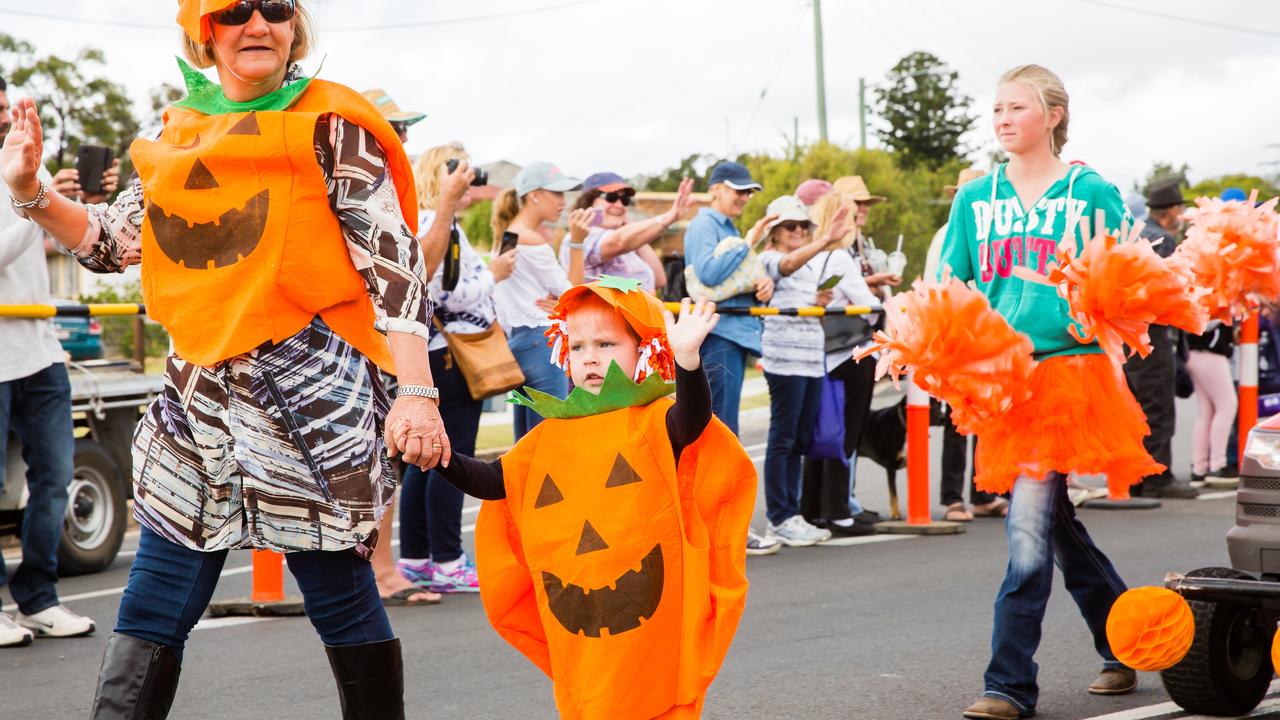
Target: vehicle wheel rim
x: 89, y: 511
x: 1245, y: 654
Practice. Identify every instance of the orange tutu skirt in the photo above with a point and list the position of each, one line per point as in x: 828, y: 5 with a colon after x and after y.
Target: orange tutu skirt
x: 1080, y: 418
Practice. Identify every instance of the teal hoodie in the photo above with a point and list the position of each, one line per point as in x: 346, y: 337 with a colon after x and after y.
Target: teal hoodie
x: 985, y: 246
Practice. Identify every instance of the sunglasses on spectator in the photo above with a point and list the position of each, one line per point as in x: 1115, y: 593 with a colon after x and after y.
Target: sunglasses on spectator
x: 745, y: 193
x: 239, y: 13
x: 623, y: 197
x: 793, y: 225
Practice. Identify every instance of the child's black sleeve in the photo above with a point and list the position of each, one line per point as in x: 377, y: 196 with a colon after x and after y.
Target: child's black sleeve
x: 692, y: 411
x: 474, y: 477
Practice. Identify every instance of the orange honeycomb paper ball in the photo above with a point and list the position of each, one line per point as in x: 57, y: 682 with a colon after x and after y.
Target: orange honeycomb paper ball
x: 1150, y: 628
x: 1275, y: 651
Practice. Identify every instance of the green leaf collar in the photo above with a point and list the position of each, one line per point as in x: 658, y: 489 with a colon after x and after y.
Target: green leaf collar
x: 205, y: 96
x: 617, y: 392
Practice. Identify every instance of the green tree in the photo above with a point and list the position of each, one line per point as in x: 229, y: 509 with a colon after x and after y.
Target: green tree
x: 117, y: 331
x: 924, y: 112
x: 475, y: 222
x: 695, y: 166
x: 1213, y: 187
x: 915, y: 207
x: 77, y: 103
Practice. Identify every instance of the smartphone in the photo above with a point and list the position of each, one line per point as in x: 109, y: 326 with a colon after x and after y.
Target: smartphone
x: 830, y: 282
x: 597, y: 218
x: 509, y: 240
x: 91, y: 162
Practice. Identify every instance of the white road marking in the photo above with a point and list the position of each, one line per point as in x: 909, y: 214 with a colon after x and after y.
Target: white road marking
x: 864, y: 540
x: 1269, y: 706
x: 226, y: 622
x: 1216, y: 495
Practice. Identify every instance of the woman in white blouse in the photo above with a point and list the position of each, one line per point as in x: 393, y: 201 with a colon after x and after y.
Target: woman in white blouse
x: 524, y: 299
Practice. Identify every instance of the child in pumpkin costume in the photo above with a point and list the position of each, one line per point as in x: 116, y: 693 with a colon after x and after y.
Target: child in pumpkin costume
x: 610, y: 548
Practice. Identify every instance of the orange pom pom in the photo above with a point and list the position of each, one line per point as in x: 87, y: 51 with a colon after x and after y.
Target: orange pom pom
x: 1233, y: 250
x: 1117, y: 290
x: 1150, y: 628
x: 958, y: 349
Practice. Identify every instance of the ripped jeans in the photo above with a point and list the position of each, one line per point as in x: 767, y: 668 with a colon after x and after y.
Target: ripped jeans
x: 1043, y: 530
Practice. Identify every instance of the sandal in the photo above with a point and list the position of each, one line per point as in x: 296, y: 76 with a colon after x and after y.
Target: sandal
x: 997, y: 508
x: 957, y: 512
x: 401, y: 598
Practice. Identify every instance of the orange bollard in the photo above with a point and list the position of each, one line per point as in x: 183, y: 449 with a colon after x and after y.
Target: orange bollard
x: 1248, y: 379
x: 917, y: 456
x: 267, y: 598
x: 268, y: 576
x: 919, y: 521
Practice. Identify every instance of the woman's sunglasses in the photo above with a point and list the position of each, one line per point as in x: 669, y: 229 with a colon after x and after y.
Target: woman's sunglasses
x: 239, y: 13
x: 793, y: 225
x: 618, y: 197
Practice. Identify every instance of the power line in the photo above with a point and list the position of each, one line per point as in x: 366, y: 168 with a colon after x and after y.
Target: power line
x: 357, y: 28
x: 1182, y: 18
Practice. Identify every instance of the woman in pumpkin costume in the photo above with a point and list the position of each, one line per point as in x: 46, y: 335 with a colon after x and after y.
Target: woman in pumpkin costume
x: 274, y: 221
x: 616, y: 565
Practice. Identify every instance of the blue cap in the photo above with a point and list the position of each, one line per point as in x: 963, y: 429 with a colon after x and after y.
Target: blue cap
x: 1233, y: 193
x: 606, y: 181
x: 734, y: 175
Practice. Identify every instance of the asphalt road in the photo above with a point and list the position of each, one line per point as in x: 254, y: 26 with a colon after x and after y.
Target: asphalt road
x: 896, y: 628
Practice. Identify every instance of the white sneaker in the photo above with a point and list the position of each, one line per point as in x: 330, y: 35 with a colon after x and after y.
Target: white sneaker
x: 795, y: 532
x: 56, y: 621
x: 757, y: 545
x: 12, y: 634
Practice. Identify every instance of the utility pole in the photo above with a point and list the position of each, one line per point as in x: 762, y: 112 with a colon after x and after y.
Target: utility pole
x: 822, y: 83
x: 862, y: 111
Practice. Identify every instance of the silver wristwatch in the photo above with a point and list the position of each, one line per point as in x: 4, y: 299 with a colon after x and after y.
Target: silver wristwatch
x: 419, y: 391
x: 39, y: 202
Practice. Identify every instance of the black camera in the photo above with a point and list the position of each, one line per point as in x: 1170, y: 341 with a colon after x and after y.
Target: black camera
x: 481, y: 178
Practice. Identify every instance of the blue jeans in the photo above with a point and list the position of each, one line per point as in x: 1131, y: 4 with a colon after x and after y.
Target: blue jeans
x: 726, y: 364
x: 793, y: 408
x: 1042, y: 527
x: 170, y: 586
x: 430, y: 506
x: 529, y: 345
x: 38, y: 410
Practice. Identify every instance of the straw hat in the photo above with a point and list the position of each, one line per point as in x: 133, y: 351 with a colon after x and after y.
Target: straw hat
x: 389, y: 109
x: 855, y: 188
x: 966, y: 175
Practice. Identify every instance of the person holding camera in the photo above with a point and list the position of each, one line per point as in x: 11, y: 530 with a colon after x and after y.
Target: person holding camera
x: 431, y: 555
x: 286, y: 287
x: 524, y: 300
x: 35, y: 403
x: 614, y: 246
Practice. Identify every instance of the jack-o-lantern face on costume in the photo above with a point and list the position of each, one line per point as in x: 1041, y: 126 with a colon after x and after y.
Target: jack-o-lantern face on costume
x: 229, y: 236
x: 624, y: 602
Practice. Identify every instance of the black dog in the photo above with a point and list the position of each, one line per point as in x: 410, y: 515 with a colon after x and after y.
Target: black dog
x: 884, y: 440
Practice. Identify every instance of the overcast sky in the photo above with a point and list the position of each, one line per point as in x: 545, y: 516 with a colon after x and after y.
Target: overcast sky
x: 634, y: 86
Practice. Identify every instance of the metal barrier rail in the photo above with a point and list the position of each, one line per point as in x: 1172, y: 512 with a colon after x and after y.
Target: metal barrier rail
x: 812, y: 311
x: 48, y: 311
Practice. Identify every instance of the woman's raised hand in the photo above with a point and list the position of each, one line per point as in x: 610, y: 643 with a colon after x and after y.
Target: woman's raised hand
x: 683, y: 202
x: 23, y: 149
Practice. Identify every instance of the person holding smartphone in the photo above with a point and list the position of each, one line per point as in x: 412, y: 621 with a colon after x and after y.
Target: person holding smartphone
x: 524, y: 300
x: 92, y: 160
x: 794, y: 362
x: 614, y: 246
x: 431, y: 555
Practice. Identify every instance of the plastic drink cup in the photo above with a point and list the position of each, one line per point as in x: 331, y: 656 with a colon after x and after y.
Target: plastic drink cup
x: 897, y: 262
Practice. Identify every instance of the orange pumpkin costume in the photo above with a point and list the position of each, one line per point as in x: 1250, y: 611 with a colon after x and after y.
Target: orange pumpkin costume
x: 239, y: 254
x: 616, y: 570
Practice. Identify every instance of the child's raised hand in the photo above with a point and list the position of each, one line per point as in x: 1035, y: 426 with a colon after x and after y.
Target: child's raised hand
x: 686, y: 334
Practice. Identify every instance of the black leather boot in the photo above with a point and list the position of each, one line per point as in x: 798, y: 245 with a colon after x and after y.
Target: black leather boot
x: 137, y: 681
x: 370, y: 679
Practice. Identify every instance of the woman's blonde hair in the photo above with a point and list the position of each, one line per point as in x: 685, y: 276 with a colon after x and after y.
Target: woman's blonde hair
x: 823, y: 214
x: 304, y: 37
x: 505, y: 208
x: 1053, y: 94
x: 426, y: 172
